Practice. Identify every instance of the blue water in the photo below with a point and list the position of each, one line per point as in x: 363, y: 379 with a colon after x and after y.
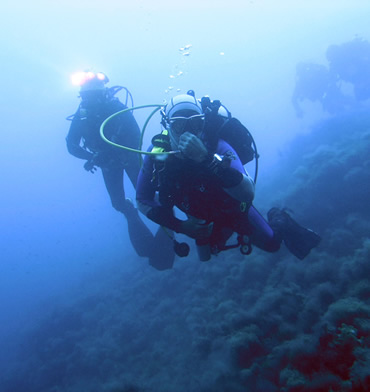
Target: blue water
x: 79, y: 311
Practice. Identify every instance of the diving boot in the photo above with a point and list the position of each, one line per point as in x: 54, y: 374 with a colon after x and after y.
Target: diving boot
x: 297, y: 239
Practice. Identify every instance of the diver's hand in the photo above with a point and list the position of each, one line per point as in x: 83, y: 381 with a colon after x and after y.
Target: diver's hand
x: 99, y: 159
x: 192, y: 147
x: 90, y: 166
x: 194, y: 229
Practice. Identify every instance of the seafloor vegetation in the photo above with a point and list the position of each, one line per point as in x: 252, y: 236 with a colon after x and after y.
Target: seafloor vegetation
x: 262, y: 323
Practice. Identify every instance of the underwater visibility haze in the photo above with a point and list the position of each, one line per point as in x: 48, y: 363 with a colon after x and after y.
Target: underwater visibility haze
x: 79, y: 310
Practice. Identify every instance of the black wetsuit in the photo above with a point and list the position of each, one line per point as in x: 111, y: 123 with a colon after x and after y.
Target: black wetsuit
x: 84, y: 140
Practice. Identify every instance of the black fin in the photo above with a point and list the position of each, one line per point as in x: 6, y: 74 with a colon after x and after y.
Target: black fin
x: 299, y: 240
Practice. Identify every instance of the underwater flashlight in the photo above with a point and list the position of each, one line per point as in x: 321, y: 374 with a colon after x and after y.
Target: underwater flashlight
x: 80, y: 78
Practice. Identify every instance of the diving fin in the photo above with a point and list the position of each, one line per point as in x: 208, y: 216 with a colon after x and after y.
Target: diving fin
x: 299, y: 240
x: 141, y: 237
x: 162, y: 256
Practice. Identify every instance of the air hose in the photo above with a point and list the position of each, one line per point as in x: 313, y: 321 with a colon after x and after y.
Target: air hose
x: 138, y: 151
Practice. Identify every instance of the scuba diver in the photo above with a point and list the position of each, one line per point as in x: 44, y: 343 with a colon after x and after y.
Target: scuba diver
x: 315, y: 83
x: 83, y: 141
x: 206, y: 180
x: 350, y: 63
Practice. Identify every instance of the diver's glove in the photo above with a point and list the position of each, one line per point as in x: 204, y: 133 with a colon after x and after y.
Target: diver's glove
x: 192, y: 147
x: 194, y: 228
x: 98, y: 159
x: 90, y: 165
x: 191, y: 227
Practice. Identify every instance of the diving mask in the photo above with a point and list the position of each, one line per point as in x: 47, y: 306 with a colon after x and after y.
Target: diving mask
x: 193, y: 124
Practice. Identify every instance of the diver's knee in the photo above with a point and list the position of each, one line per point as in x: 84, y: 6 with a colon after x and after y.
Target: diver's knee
x: 118, y: 206
x: 123, y: 206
